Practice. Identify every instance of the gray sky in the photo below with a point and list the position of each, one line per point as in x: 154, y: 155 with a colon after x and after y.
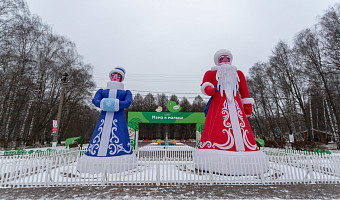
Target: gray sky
x: 166, y: 46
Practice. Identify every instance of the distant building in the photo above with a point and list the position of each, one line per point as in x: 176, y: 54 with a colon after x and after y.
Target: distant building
x: 319, y: 136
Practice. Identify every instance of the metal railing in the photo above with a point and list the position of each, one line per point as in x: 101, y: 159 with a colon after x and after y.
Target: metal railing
x: 168, y: 166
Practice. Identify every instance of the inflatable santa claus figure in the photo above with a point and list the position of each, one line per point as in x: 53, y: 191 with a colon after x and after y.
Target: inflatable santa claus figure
x: 110, y: 149
x: 227, y: 143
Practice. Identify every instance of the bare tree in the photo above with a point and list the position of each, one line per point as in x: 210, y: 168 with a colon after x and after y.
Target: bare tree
x: 32, y: 60
x: 309, y: 49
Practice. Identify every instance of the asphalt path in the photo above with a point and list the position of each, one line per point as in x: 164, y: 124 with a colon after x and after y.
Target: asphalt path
x: 299, y: 191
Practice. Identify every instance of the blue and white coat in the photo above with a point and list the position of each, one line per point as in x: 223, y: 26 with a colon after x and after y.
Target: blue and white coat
x: 111, y: 136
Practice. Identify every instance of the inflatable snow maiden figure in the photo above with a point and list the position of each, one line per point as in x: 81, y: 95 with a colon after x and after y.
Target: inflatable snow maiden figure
x: 227, y: 143
x: 110, y: 148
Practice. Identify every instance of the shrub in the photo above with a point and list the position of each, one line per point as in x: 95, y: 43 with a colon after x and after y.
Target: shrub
x: 274, y: 144
x: 305, y: 145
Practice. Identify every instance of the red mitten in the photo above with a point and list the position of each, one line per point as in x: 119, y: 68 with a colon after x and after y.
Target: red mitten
x: 209, y: 90
x: 248, y: 109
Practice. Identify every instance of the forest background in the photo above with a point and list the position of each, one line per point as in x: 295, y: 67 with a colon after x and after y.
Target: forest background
x: 296, y: 90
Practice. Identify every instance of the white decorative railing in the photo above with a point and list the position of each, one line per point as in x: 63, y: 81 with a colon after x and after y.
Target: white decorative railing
x: 166, y: 166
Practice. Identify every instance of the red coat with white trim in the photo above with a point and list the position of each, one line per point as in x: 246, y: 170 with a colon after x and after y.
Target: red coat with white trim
x: 226, y: 126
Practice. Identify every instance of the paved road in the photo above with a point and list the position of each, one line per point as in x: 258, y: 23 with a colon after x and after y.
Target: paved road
x: 178, y: 192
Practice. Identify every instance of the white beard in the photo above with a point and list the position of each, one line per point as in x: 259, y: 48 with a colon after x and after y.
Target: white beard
x: 228, y: 79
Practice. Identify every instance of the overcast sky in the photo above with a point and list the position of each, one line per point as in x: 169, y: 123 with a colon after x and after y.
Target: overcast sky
x: 166, y: 46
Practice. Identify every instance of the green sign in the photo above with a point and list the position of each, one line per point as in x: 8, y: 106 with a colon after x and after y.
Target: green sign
x: 134, y: 118
x: 166, y: 117
x: 260, y: 141
x: 173, y: 107
x: 68, y: 141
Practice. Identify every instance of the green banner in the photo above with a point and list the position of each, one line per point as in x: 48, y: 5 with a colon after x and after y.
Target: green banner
x: 166, y: 117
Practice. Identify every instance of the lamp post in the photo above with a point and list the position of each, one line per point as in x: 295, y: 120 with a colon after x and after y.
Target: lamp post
x: 64, y: 82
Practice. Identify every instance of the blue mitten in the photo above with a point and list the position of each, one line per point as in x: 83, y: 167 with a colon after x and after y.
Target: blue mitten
x: 109, y: 104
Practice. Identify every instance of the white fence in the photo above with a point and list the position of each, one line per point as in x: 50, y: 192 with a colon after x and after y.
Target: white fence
x: 166, y: 166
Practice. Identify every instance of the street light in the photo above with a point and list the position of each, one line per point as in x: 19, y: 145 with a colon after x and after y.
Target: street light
x: 64, y: 82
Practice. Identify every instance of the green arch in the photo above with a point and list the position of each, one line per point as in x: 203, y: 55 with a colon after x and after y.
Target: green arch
x: 134, y: 118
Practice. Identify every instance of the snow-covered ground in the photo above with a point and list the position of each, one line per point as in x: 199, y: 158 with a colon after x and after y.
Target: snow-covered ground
x: 163, y: 165
x: 174, y: 174
x: 331, y: 147
x: 58, y: 148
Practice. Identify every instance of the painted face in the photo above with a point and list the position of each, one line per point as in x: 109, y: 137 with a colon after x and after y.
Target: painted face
x: 223, y: 59
x: 116, y: 77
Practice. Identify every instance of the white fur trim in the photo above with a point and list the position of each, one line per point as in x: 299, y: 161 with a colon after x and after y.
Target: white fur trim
x: 222, y: 52
x: 214, y: 68
x: 235, y: 123
x: 101, y: 103
x: 230, y: 162
x: 116, y: 105
x: 119, y: 70
x: 113, y: 164
x: 205, y: 85
x: 115, y: 85
x: 247, y: 101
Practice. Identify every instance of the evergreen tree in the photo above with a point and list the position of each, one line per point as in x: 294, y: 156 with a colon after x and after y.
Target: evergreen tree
x: 198, y: 104
x: 149, y: 103
x: 185, y: 104
x: 174, y: 98
x: 162, y: 100
x: 137, y: 103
